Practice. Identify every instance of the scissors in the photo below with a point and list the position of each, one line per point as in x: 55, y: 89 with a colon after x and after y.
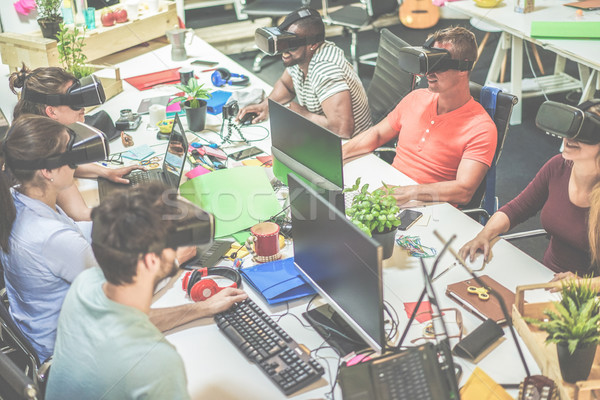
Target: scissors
x: 481, y: 292
x: 151, y: 163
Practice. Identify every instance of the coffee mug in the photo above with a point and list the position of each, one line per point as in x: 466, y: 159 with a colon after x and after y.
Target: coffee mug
x: 265, y: 237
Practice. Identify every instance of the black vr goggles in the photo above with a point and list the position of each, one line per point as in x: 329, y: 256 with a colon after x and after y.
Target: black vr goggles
x: 569, y: 122
x: 86, y: 145
x: 85, y: 92
x: 277, y: 40
x: 426, y: 59
x: 192, y: 227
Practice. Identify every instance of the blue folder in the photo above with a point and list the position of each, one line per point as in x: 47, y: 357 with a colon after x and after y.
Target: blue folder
x: 277, y: 281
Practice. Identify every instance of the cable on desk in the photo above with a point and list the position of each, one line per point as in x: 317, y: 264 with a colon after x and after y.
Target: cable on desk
x: 394, y: 320
x: 333, y: 382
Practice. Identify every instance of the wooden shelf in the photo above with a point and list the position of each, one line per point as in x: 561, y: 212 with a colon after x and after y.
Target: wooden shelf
x: 36, y: 51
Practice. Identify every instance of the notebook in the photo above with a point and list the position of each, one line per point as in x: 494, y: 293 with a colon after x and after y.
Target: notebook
x: 588, y: 5
x: 169, y: 174
x: 484, y: 309
x: 584, y: 30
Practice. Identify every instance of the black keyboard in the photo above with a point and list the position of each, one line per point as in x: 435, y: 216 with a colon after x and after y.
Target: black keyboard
x: 138, y: 177
x: 411, y: 375
x: 265, y: 343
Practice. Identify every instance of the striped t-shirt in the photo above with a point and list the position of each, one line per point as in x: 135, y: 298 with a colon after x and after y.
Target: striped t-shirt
x: 329, y: 73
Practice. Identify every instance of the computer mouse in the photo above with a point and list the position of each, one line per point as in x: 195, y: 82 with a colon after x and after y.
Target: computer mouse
x: 247, y: 118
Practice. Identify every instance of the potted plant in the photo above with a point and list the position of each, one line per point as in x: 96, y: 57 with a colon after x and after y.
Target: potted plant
x: 194, y: 103
x: 49, y: 17
x: 573, y: 326
x: 70, y: 51
x: 376, y: 214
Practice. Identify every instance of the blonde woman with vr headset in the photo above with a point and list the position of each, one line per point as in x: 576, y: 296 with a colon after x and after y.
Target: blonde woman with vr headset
x: 57, y: 94
x: 561, y: 191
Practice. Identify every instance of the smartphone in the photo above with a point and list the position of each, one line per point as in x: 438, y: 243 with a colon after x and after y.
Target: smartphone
x: 207, y: 63
x: 246, y: 153
x: 408, y: 218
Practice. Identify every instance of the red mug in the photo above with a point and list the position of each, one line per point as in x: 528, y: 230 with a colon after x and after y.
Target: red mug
x: 265, y: 237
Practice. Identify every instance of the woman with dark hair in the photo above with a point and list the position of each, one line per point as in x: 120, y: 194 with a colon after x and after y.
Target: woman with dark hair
x: 561, y: 190
x: 41, y: 248
x: 55, y: 80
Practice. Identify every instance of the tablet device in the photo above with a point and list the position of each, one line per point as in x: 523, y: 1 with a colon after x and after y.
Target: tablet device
x: 145, y: 104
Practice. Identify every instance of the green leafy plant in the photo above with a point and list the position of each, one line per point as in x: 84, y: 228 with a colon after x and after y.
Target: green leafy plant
x: 49, y: 9
x: 373, y: 212
x: 194, y: 92
x: 574, y: 323
x: 70, y: 51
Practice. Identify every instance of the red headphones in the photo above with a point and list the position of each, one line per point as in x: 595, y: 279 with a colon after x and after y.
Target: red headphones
x: 201, y: 289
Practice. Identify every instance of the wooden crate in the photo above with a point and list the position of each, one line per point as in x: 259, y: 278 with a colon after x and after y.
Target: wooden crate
x: 545, y: 354
x: 36, y: 51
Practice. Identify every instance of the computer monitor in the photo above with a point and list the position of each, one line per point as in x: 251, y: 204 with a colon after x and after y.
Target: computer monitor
x: 343, y: 265
x: 310, y: 151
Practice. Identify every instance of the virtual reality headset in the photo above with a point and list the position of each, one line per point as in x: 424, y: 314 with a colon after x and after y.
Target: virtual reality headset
x: 277, y: 40
x: 569, y: 122
x: 85, y: 92
x: 192, y: 227
x: 86, y: 145
x: 426, y: 59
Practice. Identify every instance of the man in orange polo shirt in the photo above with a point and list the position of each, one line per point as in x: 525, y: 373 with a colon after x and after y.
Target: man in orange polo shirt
x: 446, y: 140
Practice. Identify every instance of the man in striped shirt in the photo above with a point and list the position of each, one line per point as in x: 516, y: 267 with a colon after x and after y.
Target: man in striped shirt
x: 326, y: 88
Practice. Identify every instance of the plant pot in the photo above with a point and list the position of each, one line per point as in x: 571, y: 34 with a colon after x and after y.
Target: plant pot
x: 49, y: 27
x: 196, y: 117
x: 386, y: 239
x: 577, y: 366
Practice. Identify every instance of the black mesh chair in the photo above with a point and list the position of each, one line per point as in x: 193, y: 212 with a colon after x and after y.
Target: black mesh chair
x: 484, y: 202
x: 17, y: 348
x: 14, y: 384
x: 390, y: 83
x: 274, y: 9
x: 354, y: 17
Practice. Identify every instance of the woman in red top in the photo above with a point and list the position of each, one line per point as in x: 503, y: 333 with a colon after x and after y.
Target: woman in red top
x: 561, y: 190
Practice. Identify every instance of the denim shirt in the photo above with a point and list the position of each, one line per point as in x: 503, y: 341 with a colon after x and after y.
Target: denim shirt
x: 47, y: 250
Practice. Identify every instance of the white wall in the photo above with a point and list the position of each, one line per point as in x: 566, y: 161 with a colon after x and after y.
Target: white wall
x: 15, y: 22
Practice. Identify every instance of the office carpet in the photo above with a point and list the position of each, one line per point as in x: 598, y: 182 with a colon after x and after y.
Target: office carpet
x: 526, y: 148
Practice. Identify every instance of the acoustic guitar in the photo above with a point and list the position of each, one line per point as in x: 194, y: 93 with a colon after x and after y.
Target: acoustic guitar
x: 419, y: 14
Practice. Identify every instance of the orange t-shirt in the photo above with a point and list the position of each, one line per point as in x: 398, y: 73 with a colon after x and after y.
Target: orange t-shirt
x: 431, y: 146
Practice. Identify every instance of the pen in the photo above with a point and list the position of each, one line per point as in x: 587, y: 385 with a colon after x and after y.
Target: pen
x: 208, y: 70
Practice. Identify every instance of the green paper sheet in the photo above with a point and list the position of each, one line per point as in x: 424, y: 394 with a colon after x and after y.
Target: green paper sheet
x: 241, y: 236
x: 238, y: 197
x: 566, y: 29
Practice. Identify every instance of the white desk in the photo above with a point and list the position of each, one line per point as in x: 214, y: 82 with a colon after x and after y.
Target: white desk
x: 216, y: 369
x: 517, y: 27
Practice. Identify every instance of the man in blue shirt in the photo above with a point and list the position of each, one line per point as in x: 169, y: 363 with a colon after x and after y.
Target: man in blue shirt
x: 106, y: 346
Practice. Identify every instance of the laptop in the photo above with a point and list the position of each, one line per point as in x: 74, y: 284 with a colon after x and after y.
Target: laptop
x: 170, y: 173
x: 425, y: 372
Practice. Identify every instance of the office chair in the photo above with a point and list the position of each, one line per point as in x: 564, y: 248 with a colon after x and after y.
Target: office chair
x: 484, y: 202
x: 14, y: 384
x: 16, y: 346
x: 390, y: 83
x: 275, y: 9
x: 354, y: 17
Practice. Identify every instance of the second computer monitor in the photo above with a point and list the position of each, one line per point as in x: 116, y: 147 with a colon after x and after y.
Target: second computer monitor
x: 310, y: 151
x: 342, y: 264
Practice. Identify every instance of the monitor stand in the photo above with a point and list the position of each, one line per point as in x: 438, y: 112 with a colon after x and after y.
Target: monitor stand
x: 326, y: 321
